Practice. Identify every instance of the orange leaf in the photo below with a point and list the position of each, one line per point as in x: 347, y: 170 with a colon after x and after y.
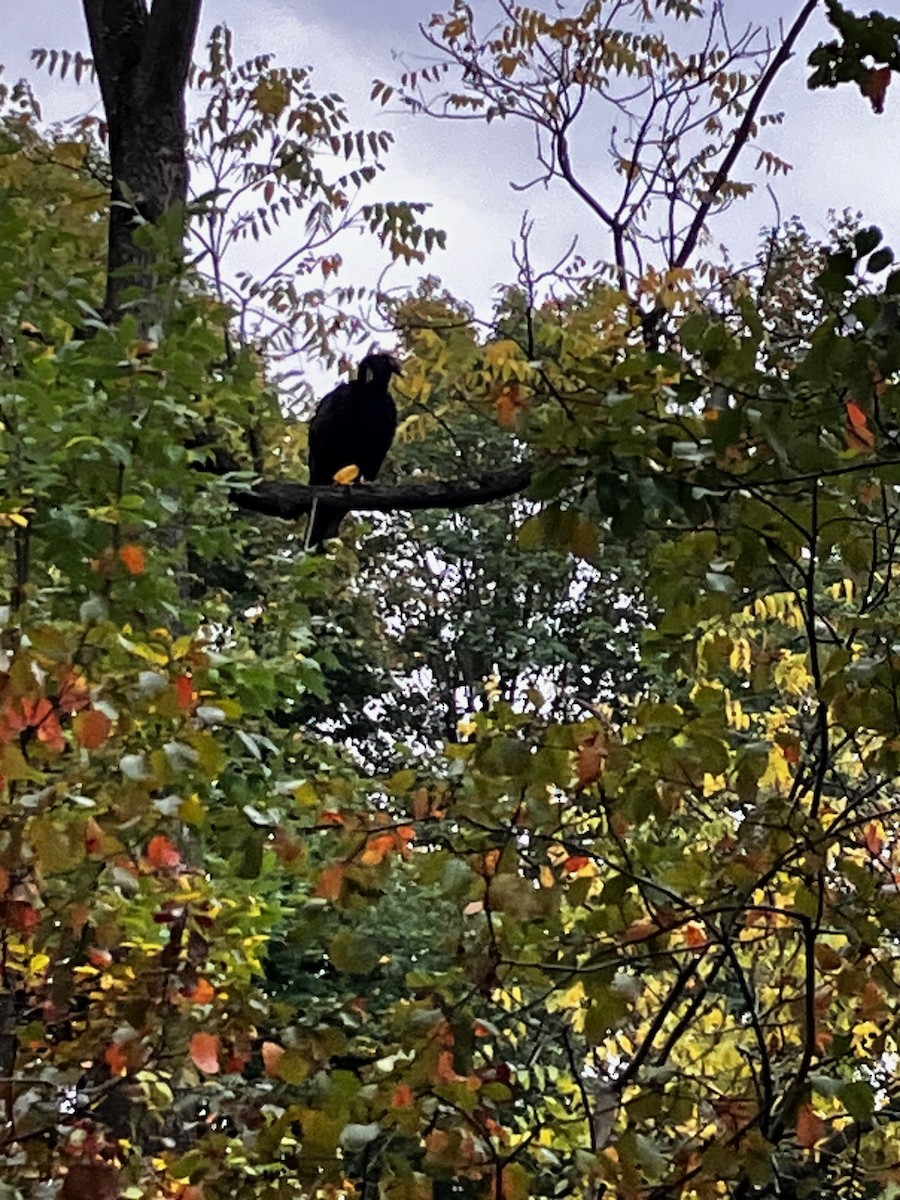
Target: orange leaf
x: 810, y: 1127
x: 205, y: 1052
x: 874, y: 840
x: 444, y: 1071
x: 330, y: 881
x: 116, y: 1059
x: 203, y: 993
x: 488, y: 864
x: 40, y: 715
x: 162, y: 854
x: 92, y: 728
x: 73, y: 692
x: 134, y: 559
x: 377, y: 849
x: 272, y: 1055
x: 859, y: 436
x: 508, y: 404
x: 856, y: 415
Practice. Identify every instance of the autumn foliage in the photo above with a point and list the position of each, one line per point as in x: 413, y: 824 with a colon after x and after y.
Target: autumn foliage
x: 546, y: 850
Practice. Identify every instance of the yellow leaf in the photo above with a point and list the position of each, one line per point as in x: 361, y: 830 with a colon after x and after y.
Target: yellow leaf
x: 192, y: 811
x: 271, y: 97
x: 347, y: 474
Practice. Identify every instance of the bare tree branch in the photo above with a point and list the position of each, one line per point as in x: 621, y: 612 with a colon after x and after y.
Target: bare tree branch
x: 743, y: 132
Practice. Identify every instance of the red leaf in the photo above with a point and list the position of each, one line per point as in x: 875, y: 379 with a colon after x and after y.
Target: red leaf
x: 162, y: 854
x: 695, y: 935
x: 19, y: 915
x: 92, y: 728
x: 93, y: 836
x: 874, y: 87
x: 403, y: 1097
x: 236, y: 1063
x: 185, y: 688
x: 575, y: 862
x: 205, y: 1052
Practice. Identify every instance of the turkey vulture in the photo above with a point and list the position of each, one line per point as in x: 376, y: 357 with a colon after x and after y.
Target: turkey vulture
x: 353, y: 426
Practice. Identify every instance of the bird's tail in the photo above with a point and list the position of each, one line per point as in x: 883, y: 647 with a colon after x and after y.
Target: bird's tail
x: 324, y: 522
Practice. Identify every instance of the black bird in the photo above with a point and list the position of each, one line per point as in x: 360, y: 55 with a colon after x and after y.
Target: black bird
x: 354, y: 425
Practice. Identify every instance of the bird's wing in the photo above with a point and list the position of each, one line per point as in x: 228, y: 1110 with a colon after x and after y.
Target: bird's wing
x: 381, y: 427
x: 326, y: 434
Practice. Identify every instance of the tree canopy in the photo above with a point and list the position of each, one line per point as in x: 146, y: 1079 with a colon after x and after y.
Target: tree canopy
x: 541, y: 838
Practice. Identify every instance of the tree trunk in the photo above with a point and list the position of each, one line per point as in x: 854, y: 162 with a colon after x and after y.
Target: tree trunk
x: 142, y: 57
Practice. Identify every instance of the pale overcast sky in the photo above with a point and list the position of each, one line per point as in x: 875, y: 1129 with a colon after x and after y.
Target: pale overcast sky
x: 843, y: 155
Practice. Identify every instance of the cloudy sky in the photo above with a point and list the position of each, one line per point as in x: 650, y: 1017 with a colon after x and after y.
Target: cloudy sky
x: 843, y: 155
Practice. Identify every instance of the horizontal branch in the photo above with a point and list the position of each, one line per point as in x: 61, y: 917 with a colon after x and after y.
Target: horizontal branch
x: 277, y: 498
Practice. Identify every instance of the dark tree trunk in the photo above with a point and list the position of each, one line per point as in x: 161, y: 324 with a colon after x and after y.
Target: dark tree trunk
x: 142, y: 57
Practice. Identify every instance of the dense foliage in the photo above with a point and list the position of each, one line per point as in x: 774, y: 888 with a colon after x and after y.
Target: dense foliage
x: 543, y: 850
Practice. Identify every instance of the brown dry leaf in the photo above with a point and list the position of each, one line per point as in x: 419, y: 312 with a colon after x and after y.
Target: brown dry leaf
x: 591, y: 757
x: 810, y: 1127
x: 90, y: 1181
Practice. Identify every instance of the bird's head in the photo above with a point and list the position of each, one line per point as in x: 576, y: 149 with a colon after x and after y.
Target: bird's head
x: 378, y: 368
